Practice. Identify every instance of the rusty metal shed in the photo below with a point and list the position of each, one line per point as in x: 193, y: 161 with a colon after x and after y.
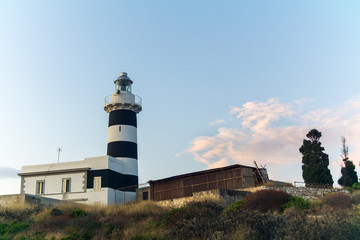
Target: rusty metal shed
x: 230, y: 178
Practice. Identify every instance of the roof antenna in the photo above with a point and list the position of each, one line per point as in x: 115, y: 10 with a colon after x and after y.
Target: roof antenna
x: 59, y: 150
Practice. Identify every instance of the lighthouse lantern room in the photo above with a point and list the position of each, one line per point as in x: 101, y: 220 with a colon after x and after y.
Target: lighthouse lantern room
x: 123, y: 83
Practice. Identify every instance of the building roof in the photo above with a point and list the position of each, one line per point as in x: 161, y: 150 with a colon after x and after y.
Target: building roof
x: 35, y: 173
x: 200, y: 173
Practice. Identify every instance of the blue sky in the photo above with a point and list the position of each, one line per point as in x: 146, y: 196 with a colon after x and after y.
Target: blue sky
x: 221, y: 82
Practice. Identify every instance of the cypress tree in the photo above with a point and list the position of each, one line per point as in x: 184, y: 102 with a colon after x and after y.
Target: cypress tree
x: 315, y: 161
x: 348, y: 173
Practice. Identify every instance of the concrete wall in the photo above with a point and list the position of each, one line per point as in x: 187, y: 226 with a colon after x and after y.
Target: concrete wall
x: 19, y: 199
x: 118, y: 197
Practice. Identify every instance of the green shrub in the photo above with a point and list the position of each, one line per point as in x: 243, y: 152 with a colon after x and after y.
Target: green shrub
x: 16, y: 227
x: 56, y: 212
x: 356, y: 186
x: 337, y: 201
x: 350, y: 189
x: 235, y: 207
x: 13, y: 214
x: 297, y: 202
x: 175, y: 211
x: 8, y: 231
x: 356, y: 197
x: 266, y: 200
x: 3, y: 228
x: 78, y: 213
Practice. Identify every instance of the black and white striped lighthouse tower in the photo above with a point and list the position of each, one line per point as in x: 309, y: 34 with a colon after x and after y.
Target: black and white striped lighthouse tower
x: 122, y: 107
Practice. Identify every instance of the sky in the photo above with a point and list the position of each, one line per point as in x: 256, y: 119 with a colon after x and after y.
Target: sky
x: 221, y: 82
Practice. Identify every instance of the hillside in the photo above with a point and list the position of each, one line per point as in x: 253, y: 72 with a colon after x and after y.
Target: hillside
x: 279, y: 217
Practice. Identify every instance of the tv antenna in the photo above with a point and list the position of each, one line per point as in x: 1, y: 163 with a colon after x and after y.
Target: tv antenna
x: 59, y: 150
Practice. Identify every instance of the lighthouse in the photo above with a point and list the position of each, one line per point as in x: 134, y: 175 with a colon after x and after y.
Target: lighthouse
x: 122, y: 107
x: 110, y: 179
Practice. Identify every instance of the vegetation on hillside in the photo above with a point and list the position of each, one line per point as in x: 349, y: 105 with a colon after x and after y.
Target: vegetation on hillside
x: 279, y: 216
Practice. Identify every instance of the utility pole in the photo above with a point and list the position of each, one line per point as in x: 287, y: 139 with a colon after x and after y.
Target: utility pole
x: 59, y: 150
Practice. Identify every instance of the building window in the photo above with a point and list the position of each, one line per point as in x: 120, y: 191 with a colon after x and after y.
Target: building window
x: 66, y: 183
x: 40, y: 187
x: 145, y: 195
x: 119, y: 128
x: 97, y: 183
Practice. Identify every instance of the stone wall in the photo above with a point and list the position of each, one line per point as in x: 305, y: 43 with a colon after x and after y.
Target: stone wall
x: 304, y: 192
x: 228, y: 197
x: 219, y: 195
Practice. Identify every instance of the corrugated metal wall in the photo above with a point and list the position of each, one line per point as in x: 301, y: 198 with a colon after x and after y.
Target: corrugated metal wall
x: 229, y: 179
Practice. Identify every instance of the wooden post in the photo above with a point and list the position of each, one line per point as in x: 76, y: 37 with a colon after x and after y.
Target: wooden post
x: 257, y: 168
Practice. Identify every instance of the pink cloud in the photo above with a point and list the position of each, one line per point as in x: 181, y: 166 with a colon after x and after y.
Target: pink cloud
x: 259, y: 115
x: 272, y: 133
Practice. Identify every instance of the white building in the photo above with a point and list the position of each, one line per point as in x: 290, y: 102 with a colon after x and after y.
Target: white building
x: 110, y: 179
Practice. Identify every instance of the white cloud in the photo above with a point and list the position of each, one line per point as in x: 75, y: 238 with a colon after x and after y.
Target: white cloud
x: 10, y: 186
x: 272, y: 133
x: 220, y: 121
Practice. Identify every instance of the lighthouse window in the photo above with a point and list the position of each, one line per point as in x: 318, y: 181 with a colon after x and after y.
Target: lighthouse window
x: 40, y: 187
x: 119, y: 128
x: 97, y: 184
x: 125, y: 87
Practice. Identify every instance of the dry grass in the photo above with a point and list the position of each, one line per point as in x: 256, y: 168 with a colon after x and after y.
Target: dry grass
x: 272, y: 183
x: 170, y: 204
x: 242, y: 233
x: 338, y: 201
x: 20, y: 206
x: 194, y: 220
x: 142, y: 208
x: 42, y: 215
x: 55, y: 235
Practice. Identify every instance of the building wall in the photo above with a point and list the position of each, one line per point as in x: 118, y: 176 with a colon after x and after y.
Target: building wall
x: 143, y: 194
x: 81, y: 189
x: 248, y: 177
x: 78, y: 190
x: 53, y: 183
x: 185, y: 186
